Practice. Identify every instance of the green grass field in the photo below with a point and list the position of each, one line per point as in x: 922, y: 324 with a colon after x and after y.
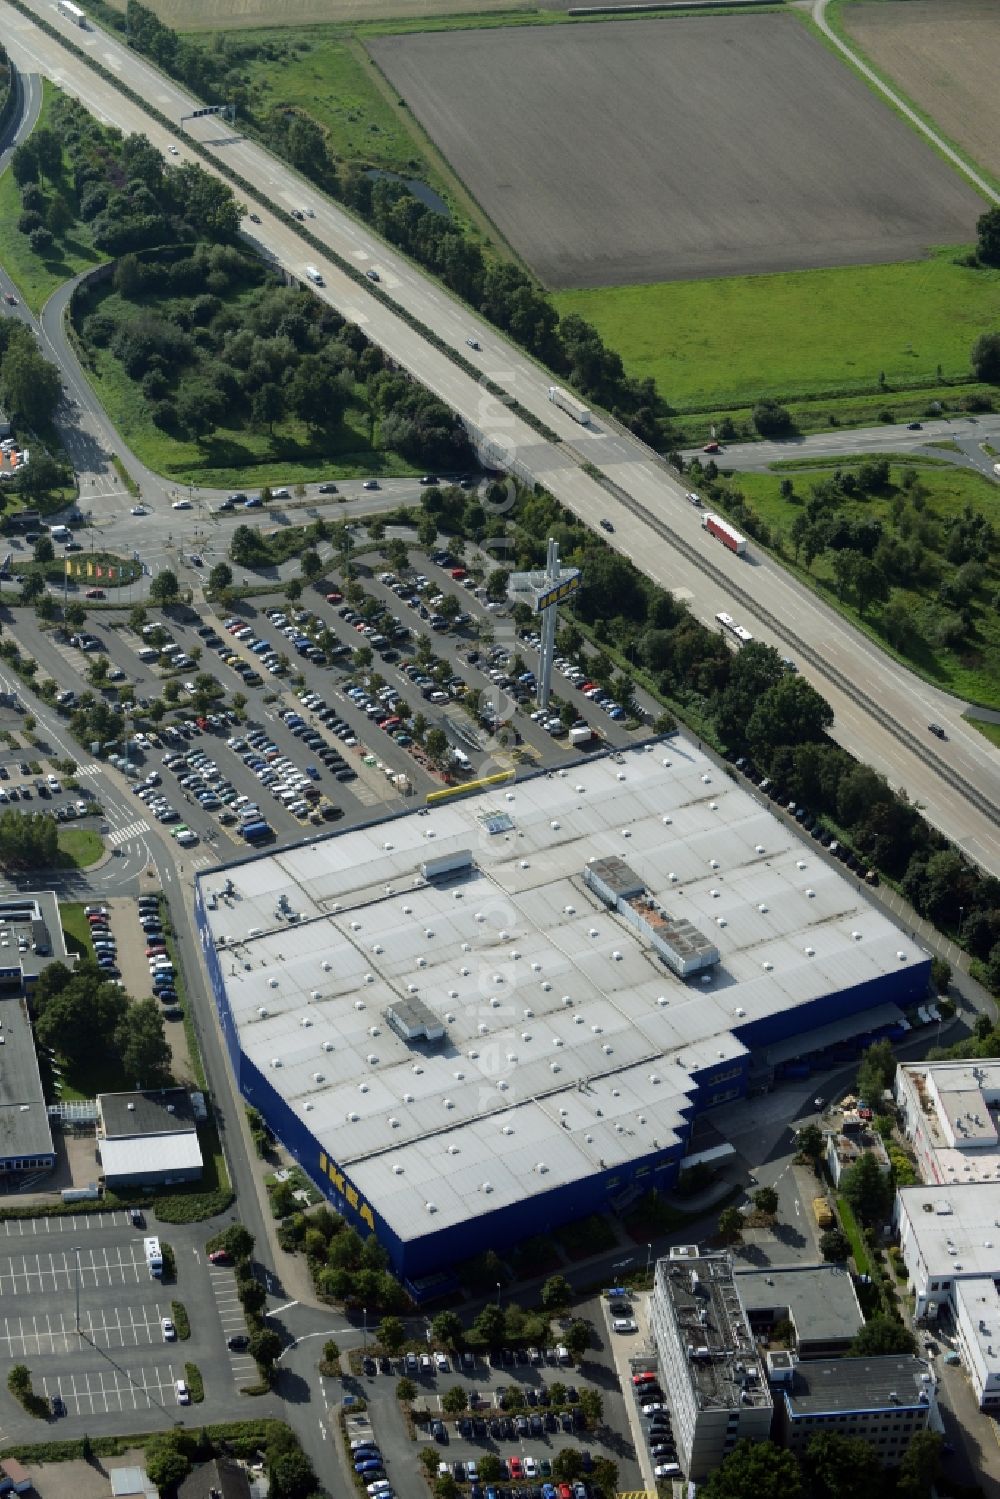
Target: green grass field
x: 971, y: 670
x: 79, y: 847
x: 36, y: 278
x: 709, y: 343
x: 76, y: 928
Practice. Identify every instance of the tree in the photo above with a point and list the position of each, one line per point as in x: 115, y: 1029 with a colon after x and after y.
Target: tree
x: 406, y: 1391
x: 837, y: 1465
x: 577, y: 1339
x: 490, y: 1469
x: 490, y: 1325
x: 454, y: 1400
x: 984, y: 356
x: 265, y: 1346
x: 811, y: 1143
x: 311, y: 565
x: 142, y: 1044
x: 876, y: 1072
x: 30, y: 387
x: 19, y: 1381
x: 987, y: 236
x: 447, y: 1329
x: 731, y: 1225
x: 165, y: 1460
x: 293, y: 590
x: 567, y: 1465
x: 391, y: 1334
x: 292, y: 1475
x: 834, y: 1245
x: 427, y: 531
x: 428, y: 1459
x: 754, y: 1470
x: 919, y: 1466
x: 220, y: 578
x: 604, y: 1475
x: 436, y: 743
x: 496, y: 584
x: 765, y: 1200
x: 868, y: 1190
x: 556, y: 1293
x: 883, y: 1334
x: 28, y: 842
x: 789, y: 713
x: 771, y: 419
x: 164, y: 588
x: 592, y: 1405
x: 237, y: 1241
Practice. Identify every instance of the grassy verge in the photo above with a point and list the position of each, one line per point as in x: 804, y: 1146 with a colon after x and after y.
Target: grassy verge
x: 36, y: 277
x: 181, y: 1321
x: 850, y: 1226
x: 77, y: 929
x: 195, y: 1383
x: 79, y: 847
x: 798, y: 334
x: 990, y: 731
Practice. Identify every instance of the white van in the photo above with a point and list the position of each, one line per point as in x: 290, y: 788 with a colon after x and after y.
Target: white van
x: 60, y: 533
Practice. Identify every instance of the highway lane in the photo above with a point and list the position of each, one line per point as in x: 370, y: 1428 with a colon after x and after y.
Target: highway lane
x: 684, y: 558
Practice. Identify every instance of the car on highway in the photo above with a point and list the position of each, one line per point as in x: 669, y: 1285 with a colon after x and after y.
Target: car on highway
x: 255, y: 218
x: 94, y: 593
x: 937, y: 730
x: 9, y: 296
x: 328, y: 489
x: 473, y: 343
x: 605, y: 524
x: 373, y: 275
x: 914, y: 426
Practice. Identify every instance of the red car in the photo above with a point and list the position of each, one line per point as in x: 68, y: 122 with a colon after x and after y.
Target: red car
x: 711, y: 447
x: 94, y: 593
x: 220, y: 1257
x: 647, y: 1378
x: 335, y: 598
x: 515, y: 1467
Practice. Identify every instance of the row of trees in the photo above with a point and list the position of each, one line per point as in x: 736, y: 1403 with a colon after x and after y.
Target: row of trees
x: 30, y: 391
x: 831, y: 1467
x: 83, y: 1018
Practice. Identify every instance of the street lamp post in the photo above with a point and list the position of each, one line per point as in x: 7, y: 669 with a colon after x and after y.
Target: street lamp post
x: 649, y: 1256
x: 76, y: 1251
x: 364, y: 1313
x: 498, y: 1295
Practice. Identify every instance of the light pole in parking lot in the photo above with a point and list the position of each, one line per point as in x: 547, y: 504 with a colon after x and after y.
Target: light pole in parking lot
x: 364, y: 1313
x: 649, y: 1256
x: 76, y: 1251
x: 499, y: 1288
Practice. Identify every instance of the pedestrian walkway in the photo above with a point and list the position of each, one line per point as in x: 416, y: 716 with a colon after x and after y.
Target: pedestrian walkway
x: 130, y: 830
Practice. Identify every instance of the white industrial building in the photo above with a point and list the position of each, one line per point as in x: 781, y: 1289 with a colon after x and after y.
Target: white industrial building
x: 478, y: 1020
x: 949, y: 1229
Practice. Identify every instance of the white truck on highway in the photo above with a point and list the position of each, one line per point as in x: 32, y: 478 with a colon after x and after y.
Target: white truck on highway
x: 314, y: 275
x: 572, y: 407
x: 996, y: 469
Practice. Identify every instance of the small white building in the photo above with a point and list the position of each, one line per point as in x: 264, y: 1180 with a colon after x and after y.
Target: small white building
x: 950, y: 1113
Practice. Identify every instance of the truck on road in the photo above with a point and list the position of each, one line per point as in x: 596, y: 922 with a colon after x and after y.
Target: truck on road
x: 313, y: 273
x: 580, y: 737
x: 725, y: 533
x: 572, y: 407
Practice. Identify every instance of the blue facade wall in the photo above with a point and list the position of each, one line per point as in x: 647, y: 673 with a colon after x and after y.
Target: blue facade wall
x: 907, y: 986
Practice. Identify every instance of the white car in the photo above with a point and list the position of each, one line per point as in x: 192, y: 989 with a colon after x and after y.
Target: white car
x: 441, y: 1363
x: 139, y: 510
x: 173, y: 151
x: 182, y: 505
x: 625, y: 1324
x: 168, y: 1330
x: 182, y: 1392
x: 530, y: 1468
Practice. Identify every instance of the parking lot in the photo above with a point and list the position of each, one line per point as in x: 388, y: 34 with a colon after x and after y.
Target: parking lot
x: 107, y: 1390
x: 121, y: 1360
x: 331, y: 693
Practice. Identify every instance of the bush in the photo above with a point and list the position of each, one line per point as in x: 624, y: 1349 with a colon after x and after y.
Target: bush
x: 181, y: 1321
x: 195, y: 1383
x: 771, y: 419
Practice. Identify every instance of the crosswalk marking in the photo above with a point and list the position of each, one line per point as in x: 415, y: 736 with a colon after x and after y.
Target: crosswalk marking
x: 130, y: 830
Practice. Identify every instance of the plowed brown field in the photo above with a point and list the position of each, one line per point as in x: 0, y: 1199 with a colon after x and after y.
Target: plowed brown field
x: 945, y: 55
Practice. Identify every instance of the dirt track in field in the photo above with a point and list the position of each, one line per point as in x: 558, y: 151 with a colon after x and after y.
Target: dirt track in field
x: 663, y: 150
x: 945, y: 56
x: 232, y: 15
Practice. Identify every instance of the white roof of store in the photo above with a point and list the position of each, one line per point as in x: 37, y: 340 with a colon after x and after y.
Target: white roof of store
x: 156, y: 1154
x: 568, y: 1045
x: 959, y: 1104
x: 956, y: 1228
x: 980, y: 1300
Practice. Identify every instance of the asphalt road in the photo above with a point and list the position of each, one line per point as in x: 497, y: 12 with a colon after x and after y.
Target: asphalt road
x: 967, y: 432
x: 881, y: 711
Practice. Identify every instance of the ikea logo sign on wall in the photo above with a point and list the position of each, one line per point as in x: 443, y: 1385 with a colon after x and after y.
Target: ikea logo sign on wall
x: 350, y: 1194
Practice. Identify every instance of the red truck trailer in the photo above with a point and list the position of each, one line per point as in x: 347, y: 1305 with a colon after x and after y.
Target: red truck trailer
x: 726, y: 533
